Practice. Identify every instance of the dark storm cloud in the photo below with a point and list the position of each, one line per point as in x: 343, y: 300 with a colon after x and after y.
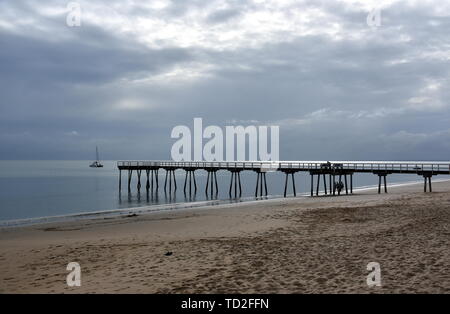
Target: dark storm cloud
x: 80, y: 62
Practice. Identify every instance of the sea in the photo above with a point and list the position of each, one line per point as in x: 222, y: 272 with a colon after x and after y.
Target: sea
x: 42, y: 191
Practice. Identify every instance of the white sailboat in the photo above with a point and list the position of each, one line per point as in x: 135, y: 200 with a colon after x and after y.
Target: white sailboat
x: 96, y: 163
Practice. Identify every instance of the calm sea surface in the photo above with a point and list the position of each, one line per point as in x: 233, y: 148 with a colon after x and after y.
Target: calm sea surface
x: 31, y: 189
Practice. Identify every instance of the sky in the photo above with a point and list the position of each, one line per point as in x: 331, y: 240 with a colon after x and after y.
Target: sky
x: 338, y: 87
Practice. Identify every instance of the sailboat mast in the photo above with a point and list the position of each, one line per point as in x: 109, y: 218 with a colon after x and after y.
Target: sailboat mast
x: 96, y: 152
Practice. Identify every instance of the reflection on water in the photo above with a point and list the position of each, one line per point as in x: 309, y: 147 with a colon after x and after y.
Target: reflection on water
x: 51, y: 188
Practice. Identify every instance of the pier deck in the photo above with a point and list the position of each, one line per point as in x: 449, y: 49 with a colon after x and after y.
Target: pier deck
x: 332, y: 169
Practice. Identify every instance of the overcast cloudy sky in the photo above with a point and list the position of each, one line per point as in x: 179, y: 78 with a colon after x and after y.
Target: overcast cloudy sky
x: 338, y: 88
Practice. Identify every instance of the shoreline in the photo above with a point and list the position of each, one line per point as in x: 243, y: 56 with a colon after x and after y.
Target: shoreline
x: 151, y: 209
x: 295, y: 245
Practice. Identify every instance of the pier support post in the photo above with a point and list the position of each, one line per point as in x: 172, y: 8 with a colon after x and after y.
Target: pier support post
x: 120, y: 180
x: 170, y: 181
x: 165, y: 181
x: 231, y: 183
x: 293, y: 184
x: 379, y: 184
x: 235, y: 185
x: 190, y: 182
x: 147, y: 185
x: 195, y: 182
x: 207, y: 184
x: 340, y: 186
x: 174, y: 180
x: 170, y: 174
x: 265, y: 183
x: 139, y: 172
x: 334, y: 184
x: 384, y: 181
x: 351, y: 183
x: 286, y: 183
x: 240, y: 186
x: 235, y: 179
x: 261, y: 179
x: 211, y: 180
x: 215, y: 179
x: 130, y: 174
x: 152, y: 179
x: 190, y: 175
x: 331, y: 183
x: 318, y: 184
x: 425, y: 177
x: 345, y: 180
x: 257, y: 183
x: 261, y: 184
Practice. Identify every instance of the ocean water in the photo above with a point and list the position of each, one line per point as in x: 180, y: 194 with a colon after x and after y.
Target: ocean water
x: 32, y: 189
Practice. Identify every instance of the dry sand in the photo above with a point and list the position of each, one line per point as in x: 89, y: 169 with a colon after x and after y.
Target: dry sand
x: 301, y: 245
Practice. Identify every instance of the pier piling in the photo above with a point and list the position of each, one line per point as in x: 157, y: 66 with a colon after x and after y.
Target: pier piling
x: 257, y: 184
x: 382, y: 174
x: 130, y: 174
x: 231, y: 183
x: 120, y: 180
x: 235, y: 180
x: 351, y: 183
x: 170, y: 175
x: 334, y: 170
x: 190, y: 176
x: 427, y: 176
x: 260, y: 180
x: 211, y: 182
x: 345, y: 181
x: 287, y: 173
x: 139, y: 172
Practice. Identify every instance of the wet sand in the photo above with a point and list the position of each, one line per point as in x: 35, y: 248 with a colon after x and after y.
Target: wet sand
x: 297, y: 245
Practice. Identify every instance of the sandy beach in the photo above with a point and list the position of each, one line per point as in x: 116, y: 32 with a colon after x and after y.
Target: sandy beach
x: 295, y: 245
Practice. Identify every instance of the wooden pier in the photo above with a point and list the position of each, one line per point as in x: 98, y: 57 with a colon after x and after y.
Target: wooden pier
x: 339, y: 174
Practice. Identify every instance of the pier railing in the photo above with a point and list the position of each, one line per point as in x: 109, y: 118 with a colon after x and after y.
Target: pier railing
x: 334, y: 170
x: 357, y: 166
